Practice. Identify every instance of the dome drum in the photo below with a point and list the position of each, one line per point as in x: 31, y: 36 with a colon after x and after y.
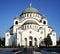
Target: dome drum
x: 29, y: 10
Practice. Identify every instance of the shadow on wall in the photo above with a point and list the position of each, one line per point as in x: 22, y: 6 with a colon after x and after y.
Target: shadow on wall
x: 10, y: 40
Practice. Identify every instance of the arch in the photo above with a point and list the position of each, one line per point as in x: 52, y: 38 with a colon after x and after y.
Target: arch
x: 35, y: 42
x: 25, y: 41
x: 30, y: 41
x: 16, y: 22
x: 35, y: 39
x: 44, y: 22
x: 22, y: 22
x: 30, y: 22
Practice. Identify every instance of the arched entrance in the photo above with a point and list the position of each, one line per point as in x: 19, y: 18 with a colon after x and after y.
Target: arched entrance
x: 25, y: 41
x: 30, y: 41
x: 35, y: 43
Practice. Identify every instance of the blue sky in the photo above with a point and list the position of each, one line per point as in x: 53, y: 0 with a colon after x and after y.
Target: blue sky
x: 12, y: 8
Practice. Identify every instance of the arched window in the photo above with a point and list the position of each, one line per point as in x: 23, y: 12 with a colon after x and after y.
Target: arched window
x: 24, y: 15
x: 30, y: 26
x: 27, y: 26
x: 16, y: 22
x: 35, y: 39
x: 44, y: 22
x: 25, y: 39
x: 30, y: 14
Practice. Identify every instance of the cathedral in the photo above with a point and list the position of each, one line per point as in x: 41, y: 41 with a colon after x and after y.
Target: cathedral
x: 29, y: 29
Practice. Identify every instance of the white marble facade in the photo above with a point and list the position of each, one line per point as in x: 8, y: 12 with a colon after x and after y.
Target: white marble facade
x: 29, y: 29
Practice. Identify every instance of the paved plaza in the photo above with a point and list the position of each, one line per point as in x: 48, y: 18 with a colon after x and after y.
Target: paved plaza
x: 29, y: 50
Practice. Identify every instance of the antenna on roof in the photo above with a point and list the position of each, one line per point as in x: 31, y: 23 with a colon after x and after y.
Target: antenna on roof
x: 30, y: 5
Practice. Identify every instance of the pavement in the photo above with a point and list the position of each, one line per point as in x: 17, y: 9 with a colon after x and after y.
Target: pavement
x: 30, y: 50
x: 34, y: 51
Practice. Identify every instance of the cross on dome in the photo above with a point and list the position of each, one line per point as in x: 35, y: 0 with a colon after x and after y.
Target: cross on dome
x: 30, y: 5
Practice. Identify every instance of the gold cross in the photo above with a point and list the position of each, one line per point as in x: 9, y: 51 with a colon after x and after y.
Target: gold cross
x: 30, y: 5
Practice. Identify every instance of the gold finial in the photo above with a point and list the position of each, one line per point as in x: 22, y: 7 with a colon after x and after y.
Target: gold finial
x: 30, y: 4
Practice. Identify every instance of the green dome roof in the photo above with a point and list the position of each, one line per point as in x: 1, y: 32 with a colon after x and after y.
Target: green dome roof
x: 30, y: 10
x: 30, y: 22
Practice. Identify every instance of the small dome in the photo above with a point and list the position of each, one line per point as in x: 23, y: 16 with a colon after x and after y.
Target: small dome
x: 30, y: 22
x: 30, y: 10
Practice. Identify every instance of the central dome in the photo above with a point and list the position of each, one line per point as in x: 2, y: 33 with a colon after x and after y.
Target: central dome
x: 30, y: 10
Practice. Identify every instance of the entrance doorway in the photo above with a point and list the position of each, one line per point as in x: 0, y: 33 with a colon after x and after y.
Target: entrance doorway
x: 30, y: 43
x: 25, y: 41
x: 35, y: 42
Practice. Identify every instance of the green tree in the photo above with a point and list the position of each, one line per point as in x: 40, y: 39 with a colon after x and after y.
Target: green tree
x: 3, y: 41
x: 19, y: 45
x: 58, y: 42
x: 49, y: 40
x: 0, y: 42
x: 46, y: 42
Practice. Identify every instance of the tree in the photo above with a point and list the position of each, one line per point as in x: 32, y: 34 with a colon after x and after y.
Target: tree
x: 19, y: 45
x: 58, y: 42
x: 48, y: 41
x: 2, y: 42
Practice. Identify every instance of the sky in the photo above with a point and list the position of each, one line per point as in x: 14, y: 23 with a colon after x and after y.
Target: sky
x: 9, y: 9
